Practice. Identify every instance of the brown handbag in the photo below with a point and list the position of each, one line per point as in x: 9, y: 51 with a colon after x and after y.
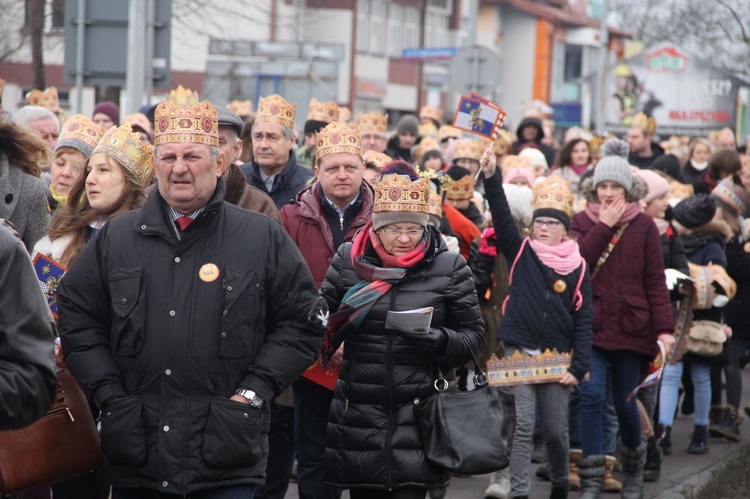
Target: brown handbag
x: 62, y: 444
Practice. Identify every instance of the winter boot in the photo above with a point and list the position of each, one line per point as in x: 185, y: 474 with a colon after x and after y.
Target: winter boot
x: 591, y: 471
x: 652, y: 469
x: 729, y: 427
x: 542, y: 473
x: 573, y: 479
x: 538, y: 452
x: 611, y: 484
x: 499, y: 485
x: 717, y: 418
x: 559, y: 492
x: 664, y: 437
x: 698, y: 440
x: 633, y: 461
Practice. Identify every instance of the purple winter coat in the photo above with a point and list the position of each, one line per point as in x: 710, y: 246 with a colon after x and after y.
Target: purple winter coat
x: 631, y: 300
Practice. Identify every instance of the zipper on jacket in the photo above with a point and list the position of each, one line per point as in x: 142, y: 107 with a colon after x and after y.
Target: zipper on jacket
x: 60, y: 410
x: 389, y: 385
x: 341, y: 223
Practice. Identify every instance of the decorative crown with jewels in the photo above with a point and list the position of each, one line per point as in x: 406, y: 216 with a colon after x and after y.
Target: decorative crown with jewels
x: 470, y: 148
x: 458, y: 190
x: 80, y: 133
x: 372, y: 122
x: 431, y: 112
x: 648, y: 125
x: 183, y: 97
x: 124, y: 145
x: 323, y: 111
x: 435, y: 204
x: 400, y: 193
x: 337, y: 137
x: 174, y: 124
x: 554, y: 192
x: 275, y: 109
x: 241, y: 107
x: 379, y: 159
x: 45, y: 98
x: 523, y: 369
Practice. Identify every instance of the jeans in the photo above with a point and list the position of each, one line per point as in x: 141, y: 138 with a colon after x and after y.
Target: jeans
x: 280, y: 452
x: 627, y: 366
x: 552, y: 400
x: 611, y: 427
x: 311, y: 405
x: 670, y: 385
x: 232, y: 492
x: 733, y: 373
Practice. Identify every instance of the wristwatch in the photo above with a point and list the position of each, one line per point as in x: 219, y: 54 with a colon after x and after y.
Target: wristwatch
x: 253, y: 398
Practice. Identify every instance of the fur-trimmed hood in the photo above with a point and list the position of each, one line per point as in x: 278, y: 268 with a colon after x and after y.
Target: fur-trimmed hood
x: 636, y: 193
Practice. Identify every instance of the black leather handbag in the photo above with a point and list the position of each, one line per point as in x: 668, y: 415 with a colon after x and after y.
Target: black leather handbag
x: 467, y: 433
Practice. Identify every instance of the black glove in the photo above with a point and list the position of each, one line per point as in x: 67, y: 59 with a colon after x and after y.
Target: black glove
x: 430, y: 343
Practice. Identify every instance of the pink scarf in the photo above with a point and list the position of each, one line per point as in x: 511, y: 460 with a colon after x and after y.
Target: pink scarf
x: 563, y: 258
x: 631, y: 211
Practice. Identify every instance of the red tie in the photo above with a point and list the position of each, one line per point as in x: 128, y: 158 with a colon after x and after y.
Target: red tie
x: 183, y: 222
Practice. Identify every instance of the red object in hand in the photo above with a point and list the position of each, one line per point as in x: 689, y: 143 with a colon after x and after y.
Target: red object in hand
x: 487, y: 243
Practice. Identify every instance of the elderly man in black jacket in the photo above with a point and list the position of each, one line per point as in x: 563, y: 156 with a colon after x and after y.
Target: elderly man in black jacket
x: 182, y: 319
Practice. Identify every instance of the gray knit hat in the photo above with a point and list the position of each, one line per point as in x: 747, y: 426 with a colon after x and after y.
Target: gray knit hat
x: 408, y: 124
x: 613, y: 166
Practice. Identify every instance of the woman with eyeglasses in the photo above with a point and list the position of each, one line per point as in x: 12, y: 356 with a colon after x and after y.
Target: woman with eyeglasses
x: 632, y: 311
x: 396, y: 263
x: 548, y: 308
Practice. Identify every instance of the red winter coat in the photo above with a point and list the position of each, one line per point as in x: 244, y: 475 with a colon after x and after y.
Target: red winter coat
x: 631, y: 300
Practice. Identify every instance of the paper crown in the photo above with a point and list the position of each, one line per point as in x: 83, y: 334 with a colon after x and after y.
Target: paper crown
x: 141, y: 121
x: 512, y: 161
x: 522, y: 369
x: 47, y: 98
x: 679, y: 191
x: 376, y: 158
x: 400, y: 193
x: 431, y: 112
x: 459, y: 190
x: 80, y: 133
x: 322, y: 111
x: 426, y: 144
x: 733, y: 196
x: 427, y: 129
x: 275, y: 109
x: 345, y: 114
x: 198, y: 124
x: 183, y: 97
x: 705, y: 278
x: 469, y: 148
x: 124, y: 145
x: 241, y: 107
x: 372, y: 122
x: 554, y: 192
x: 337, y: 137
x: 449, y: 131
x: 435, y: 204
x: 648, y: 125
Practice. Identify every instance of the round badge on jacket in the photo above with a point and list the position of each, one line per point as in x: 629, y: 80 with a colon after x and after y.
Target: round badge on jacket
x: 559, y: 286
x: 209, y: 272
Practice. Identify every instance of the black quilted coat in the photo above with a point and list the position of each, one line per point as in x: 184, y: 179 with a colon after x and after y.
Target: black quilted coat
x: 372, y: 440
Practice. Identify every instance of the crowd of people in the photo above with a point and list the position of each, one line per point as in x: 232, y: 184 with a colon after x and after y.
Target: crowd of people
x: 229, y: 280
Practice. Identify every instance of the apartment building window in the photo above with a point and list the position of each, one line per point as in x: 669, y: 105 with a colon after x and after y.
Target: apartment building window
x: 436, y: 29
x: 363, y: 25
x: 411, y: 27
x: 58, y: 14
x: 395, y: 15
x: 377, y: 26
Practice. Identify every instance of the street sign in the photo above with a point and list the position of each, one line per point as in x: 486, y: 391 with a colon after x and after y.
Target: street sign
x: 475, y: 69
x: 105, y: 42
x: 429, y: 54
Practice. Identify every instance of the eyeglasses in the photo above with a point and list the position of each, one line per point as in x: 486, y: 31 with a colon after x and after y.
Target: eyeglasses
x: 551, y: 224
x: 412, y: 233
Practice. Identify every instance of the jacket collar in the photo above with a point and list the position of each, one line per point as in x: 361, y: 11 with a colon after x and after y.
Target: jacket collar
x: 286, y: 173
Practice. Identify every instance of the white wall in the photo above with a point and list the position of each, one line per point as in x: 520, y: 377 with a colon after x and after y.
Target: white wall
x: 332, y: 26
x: 518, y: 52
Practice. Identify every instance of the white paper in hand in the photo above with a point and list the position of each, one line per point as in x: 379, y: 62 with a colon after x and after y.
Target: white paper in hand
x: 410, y: 321
x: 674, y: 277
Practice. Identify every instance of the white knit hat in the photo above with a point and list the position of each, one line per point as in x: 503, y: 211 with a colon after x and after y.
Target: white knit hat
x: 519, y: 200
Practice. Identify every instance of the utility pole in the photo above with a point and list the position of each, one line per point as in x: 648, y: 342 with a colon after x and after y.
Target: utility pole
x: 600, y: 94
x: 136, y: 76
x: 80, y: 54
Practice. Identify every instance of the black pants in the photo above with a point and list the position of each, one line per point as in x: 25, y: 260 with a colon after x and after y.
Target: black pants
x: 407, y: 493
x: 280, y: 452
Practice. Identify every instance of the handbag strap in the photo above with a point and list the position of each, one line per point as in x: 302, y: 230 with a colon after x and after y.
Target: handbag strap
x: 480, y: 377
x: 605, y: 254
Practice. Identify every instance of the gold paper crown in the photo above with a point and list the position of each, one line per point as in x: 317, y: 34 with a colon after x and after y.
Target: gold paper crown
x: 241, y: 107
x: 431, y: 112
x: 372, y: 122
x: 345, y: 115
x: 449, y: 131
x: 80, y: 128
x: 376, y: 158
x: 705, y: 277
x: 511, y: 161
x: 426, y: 144
x: 47, y: 98
x: 183, y: 97
x: 337, y: 137
x: 522, y: 369
x: 648, y: 125
x: 554, y: 192
x: 399, y: 193
x: 435, y: 204
x: 678, y: 190
x: 469, y: 148
x: 275, y: 109
x: 323, y: 111
x: 198, y: 124
x: 427, y: 129
x: 458, y: 190
x: 124, y: 145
